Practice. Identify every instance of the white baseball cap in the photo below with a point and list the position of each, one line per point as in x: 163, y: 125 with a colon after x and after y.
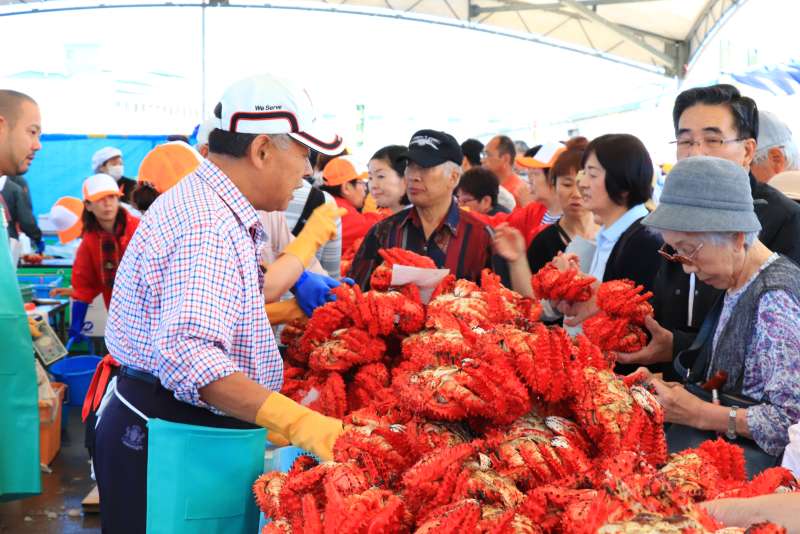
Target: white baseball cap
x: 772, y: 131
x: 98, y: 186
x: 265, y: 104
x: 65, y: 215
x: 103, y: 155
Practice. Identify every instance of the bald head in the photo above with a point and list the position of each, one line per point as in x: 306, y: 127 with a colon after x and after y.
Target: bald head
x: 11, y: 105
x: 20, y: 128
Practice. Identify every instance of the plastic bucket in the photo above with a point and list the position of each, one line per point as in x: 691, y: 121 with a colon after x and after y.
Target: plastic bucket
x: 76, y: 372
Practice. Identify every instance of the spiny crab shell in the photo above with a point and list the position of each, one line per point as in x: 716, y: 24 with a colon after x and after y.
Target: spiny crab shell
x: 571, y: 285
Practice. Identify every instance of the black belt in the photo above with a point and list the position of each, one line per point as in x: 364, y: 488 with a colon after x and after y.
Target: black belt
x: 145, y: 392
x: 136, y: 374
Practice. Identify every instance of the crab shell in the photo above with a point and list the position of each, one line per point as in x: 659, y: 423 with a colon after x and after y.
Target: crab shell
x: 623, y: 298
x: 570, y: 285
x: 346, y: 348
x: 619, y: 334
x: 473, y: 387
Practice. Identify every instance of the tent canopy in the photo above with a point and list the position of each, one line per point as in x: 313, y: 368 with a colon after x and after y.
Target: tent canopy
x: 662, y: 35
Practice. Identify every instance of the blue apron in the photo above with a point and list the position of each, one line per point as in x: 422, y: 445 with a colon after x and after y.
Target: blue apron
x: 199, y: 478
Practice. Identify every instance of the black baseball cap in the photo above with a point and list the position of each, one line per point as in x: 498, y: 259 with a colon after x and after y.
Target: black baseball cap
x: 429, y: 148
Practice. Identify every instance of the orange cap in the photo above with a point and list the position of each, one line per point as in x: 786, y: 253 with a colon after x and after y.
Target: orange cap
x: 166, y: 164
x: 98, y: 186
x: 544, y: 159
x: 339, y: 171
x: 66, y: 215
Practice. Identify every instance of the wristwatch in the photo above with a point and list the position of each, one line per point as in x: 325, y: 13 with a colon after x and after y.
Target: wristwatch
x: 731, y: 433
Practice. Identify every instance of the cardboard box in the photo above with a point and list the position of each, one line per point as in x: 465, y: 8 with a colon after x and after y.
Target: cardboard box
x: 50, y: 425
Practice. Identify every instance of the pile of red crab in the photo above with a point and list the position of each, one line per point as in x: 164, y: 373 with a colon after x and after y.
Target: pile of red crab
x: 468, y: 415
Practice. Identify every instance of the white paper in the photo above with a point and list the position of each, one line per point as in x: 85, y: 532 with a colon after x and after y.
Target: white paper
x: 424, y: 278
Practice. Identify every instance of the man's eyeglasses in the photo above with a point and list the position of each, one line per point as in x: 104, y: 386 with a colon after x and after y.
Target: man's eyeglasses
x: 713, y: 143
x: 680, y: 258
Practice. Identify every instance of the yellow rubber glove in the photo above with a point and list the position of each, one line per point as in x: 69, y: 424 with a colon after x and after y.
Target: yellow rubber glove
x: 283, y: 312
x: 319, y: 229
x: 370, y: 206
x: 277, y: 439
x: 303, y: 427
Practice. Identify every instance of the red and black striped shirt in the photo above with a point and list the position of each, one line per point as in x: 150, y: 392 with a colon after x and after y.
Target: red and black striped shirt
x: 460, y: 243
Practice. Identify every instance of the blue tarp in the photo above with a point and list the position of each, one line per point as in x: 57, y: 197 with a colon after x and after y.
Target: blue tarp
x: 64, y: 162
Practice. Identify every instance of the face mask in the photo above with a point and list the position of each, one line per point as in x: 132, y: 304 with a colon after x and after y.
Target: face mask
x: 116, y: 171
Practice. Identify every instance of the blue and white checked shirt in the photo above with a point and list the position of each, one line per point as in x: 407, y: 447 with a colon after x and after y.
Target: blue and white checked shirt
x: 188, y: 305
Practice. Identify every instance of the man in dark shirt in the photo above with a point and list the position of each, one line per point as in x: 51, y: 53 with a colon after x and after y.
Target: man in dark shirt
x: 714, y: 121
x: 433, y: 226
x: 20, y: 212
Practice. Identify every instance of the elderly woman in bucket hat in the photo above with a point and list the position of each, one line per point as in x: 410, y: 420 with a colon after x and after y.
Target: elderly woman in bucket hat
x: 752, y: 346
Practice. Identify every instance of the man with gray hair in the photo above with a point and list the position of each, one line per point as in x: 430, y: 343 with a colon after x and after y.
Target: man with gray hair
x: 187, y: 321
x: 433, y: 226
x: 776, y: 151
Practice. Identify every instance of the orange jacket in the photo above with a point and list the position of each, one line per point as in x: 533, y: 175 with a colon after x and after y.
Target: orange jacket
x: 355, y: 224
x: 94, y: 269
x: 527, y: 220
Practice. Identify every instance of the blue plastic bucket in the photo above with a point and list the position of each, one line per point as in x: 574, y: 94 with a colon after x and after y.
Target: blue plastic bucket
x: 76, y: 372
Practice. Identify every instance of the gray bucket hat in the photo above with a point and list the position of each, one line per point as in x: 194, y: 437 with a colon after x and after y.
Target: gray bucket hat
x: 705, y: 194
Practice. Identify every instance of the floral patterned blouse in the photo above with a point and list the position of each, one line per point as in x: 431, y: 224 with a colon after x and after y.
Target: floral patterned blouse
x: 772, y: 368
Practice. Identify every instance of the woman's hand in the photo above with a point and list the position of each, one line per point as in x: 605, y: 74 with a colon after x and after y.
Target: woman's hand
x: 509, y: 243
x: 566, y: 261
x: 679, y: 405
x: 658, y: 350
x: 61, y: 292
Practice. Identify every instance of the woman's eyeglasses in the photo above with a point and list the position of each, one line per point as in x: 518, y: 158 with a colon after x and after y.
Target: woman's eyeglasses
x: 680, y: 258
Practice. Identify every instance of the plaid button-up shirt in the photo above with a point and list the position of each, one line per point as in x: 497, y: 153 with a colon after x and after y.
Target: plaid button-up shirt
x: 188, y: 305
x: 461, y: 243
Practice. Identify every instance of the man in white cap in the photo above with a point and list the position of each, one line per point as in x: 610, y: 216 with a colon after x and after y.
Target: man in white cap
x: 776, y: 151
x: 187, y: 320
x: 108, y: 160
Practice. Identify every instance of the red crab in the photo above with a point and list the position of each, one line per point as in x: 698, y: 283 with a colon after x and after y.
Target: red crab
x: 471, y: 387
x: 570, y: 285
x: 617, y: 419
x: 623, y: 298
x: 531, y: 454
x: 346, y: 347
x: 323, y: 392
x: 370, y: 387
x: 542, y: 358
x: 614, y: 334
x: 381, y: 277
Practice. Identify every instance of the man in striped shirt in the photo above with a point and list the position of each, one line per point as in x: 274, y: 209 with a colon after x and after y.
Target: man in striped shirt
x: 433, y: 226
x: 187, y: 320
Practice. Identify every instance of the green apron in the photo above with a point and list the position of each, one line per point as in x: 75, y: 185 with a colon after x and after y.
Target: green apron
x: 200, y: 479
x: 19, y: 408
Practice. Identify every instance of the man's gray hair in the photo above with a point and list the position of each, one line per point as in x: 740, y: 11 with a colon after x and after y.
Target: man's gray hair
x: 282, y: 141
x: 789, y: 149
x: 449, y: 166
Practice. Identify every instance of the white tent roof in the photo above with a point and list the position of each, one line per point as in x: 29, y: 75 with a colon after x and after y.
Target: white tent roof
x: 663, y: 35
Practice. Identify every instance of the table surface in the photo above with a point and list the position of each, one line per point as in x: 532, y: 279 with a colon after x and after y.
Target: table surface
x: 55, y: 262
x: 52, y: 308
